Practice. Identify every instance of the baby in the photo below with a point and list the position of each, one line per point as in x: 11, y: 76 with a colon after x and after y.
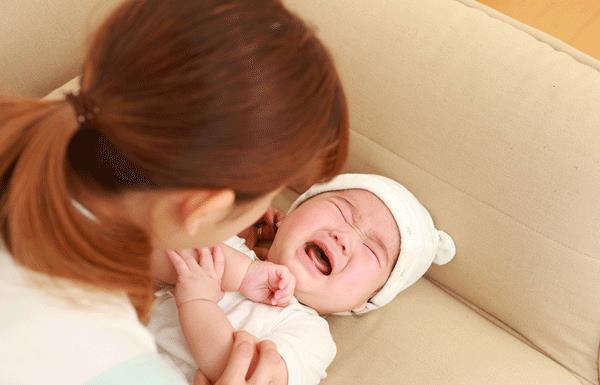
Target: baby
x: 347, y: 246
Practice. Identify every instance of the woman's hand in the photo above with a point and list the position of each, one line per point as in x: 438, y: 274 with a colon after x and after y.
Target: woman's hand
x: 263, y: 231
x: 250, y: 363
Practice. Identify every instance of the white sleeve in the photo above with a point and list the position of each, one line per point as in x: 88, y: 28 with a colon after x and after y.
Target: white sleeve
x: 304, y: 342
x: 239, y: 244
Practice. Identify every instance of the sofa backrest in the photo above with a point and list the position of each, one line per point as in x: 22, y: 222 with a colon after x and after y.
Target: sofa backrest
x: 43, y: 42
x: 496, y: 128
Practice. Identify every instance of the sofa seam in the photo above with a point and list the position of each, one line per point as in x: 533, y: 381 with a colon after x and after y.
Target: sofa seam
x: 485, y: 203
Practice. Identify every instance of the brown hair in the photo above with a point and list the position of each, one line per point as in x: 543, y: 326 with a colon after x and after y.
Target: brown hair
x: 185, y: 94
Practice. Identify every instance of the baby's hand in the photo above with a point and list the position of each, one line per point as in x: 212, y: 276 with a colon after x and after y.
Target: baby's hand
x: 268, y: 283
x: 198, y: 277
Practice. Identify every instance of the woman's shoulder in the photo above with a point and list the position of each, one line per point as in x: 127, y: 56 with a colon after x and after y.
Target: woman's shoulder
x: 56, y: 332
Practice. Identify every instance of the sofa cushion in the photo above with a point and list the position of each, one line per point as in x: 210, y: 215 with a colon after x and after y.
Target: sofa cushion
x: 494, y: 126
x: 427, y: 337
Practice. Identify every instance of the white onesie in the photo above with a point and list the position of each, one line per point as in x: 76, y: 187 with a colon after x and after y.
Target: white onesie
x: 302, y: 337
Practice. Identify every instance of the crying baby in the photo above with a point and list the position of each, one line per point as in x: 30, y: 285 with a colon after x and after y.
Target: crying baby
x: 347, y: 246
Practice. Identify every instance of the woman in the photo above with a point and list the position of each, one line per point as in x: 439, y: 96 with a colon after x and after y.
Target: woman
x: 191, y: 116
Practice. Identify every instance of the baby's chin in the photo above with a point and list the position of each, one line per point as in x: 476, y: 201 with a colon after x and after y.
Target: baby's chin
x: 307, y: 301
x: 322, y: 307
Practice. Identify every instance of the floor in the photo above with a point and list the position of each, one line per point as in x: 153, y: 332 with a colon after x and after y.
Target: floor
x: 576, y: 22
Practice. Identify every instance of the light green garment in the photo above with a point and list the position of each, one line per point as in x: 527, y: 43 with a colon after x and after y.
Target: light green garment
x: 147, y: 369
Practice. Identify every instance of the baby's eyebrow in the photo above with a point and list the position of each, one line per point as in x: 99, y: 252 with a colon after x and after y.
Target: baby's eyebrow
x: 353, y: 209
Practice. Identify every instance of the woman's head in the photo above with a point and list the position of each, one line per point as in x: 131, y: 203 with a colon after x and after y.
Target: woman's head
x: 210, y: 94
x: 201, y: 111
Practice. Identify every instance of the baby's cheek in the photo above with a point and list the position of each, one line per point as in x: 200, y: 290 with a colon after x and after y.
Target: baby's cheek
x: 365, y: 280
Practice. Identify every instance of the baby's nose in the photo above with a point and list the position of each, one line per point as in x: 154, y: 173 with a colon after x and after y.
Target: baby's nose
x: 342, y: 241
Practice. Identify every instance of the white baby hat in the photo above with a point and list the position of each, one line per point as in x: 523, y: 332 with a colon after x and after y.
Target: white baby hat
x: 421, y: 244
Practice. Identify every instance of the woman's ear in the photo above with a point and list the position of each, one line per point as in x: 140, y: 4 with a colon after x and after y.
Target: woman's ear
x: 201, y: 206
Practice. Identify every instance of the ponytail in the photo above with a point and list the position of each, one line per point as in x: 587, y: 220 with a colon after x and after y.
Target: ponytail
x: 40, y: 225
x: 229, y: 94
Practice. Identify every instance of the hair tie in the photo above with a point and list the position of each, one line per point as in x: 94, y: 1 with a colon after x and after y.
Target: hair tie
x: 85, y: 111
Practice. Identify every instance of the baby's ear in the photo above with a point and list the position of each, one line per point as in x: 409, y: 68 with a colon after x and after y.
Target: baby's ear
x: 360, y: 308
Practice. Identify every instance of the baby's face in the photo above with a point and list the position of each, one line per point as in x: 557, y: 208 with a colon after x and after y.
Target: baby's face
x: 341, y: 246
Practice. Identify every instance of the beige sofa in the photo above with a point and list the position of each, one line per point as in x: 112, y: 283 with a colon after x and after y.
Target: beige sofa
x: 494, y: 125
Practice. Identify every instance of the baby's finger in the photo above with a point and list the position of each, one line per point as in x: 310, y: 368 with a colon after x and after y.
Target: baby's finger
x: 285, y: 296
x: 177, y: 262
x: 218, y: 260
x: 280, y: 303
x: 206, y: 258
x: 187, y: 256
x: 282, y: 297
x: 275, y: 299
x: 284, y: 279
x: 279, y: 294
x: 286, y: 299
x: 189, y: 252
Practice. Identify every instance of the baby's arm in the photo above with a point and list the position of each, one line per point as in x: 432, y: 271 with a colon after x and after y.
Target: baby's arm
x: 259, y: 281
x: 305, y: 344
x: 236, y: 265
x: 207, y: 330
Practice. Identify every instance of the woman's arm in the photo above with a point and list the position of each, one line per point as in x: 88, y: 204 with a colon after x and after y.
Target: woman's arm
x: 251, y: 363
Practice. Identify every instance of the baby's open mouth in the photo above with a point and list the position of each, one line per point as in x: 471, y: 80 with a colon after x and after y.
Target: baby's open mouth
x: 319, y: 258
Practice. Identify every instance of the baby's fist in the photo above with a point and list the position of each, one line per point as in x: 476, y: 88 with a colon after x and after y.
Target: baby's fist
x: 268, y: 283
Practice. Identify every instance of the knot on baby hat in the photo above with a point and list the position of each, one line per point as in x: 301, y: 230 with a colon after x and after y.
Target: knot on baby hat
x: 421, y: 244
x: 446, y: 249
